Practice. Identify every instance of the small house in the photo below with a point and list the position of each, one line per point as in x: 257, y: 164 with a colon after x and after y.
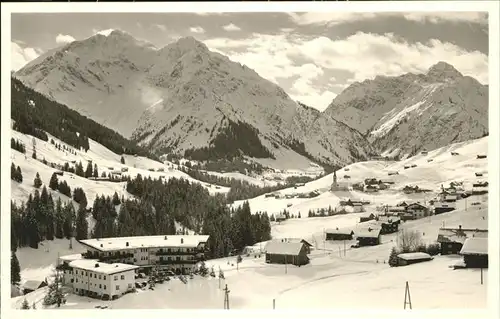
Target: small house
x: 406, y: 166
x: 32, y: 285
x: 307, y: 244
x: 392, y: 173
x: 478, y: 174
x: 454, y: 154
x: 389, y: 225
x: 124, y: 169
x: 430, y: 160
x: 371, y: 181
x: 414, y: 165
x: 338, y: 234
x: 368, y: 236
x: 412, y: 258
x: 417, y: 210
x: 366, y: 217
x: 441, y: 207
x: 283, y: 252
x: 387, y: 181
x: 452, y: 240
x: 280, y: 217
x: 371, y: 188
x: 481, y: 156
x: 424, y: 152
x: 475, y: 252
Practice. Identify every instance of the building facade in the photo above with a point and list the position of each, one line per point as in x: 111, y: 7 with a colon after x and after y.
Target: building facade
x: 99, y: 280
x: 178, y: 253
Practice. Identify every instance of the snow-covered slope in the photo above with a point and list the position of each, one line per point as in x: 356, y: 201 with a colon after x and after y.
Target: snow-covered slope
x: 185, y: 96
x: 106, y: 161
x: 442, y: 168
x: 412, y: 112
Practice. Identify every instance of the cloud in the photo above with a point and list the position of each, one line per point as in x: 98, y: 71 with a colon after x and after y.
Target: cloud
x: 361, y: 56
x: 335, y: 18
x: 21, y: 56
x: 64, y: 38
x: 197, y: 30
x: 160, y: 27
x: 231, y: 27
x: 435, y: 17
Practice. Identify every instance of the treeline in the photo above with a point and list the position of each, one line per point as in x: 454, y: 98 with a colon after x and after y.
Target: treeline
x: 40, y: 218
x: 239, y: 189
x: 17, y: 145
x: 191, y: 205
x: 233, y: 141
x: 35, y: 114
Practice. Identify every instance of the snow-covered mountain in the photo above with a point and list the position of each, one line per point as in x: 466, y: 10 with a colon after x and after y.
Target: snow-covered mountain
x: 412, y: 112
x: 185, y: 97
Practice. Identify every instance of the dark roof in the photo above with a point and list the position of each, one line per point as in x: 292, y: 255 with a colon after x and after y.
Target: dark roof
x: 417, y: 204
x: 339, y: 231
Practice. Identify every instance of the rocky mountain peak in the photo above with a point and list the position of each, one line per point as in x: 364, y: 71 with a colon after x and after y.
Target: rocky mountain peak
x: 443, y: 70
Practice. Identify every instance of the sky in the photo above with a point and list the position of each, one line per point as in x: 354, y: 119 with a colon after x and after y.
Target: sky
x: 312, y: 56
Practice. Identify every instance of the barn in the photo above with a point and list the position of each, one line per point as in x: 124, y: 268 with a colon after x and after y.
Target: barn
x: 32, y: 285
x: 389, y: 225
x: 452, y: 240
x: 282, y: 252
x: 338, y: 234
x: 413, y: 258
x: 475, y: 252
x: 368, y: 236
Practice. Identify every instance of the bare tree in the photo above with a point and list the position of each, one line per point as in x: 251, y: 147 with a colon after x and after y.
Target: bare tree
x: 409, y: 241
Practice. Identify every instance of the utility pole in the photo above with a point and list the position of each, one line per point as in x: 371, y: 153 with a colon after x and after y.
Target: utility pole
x: 286, y: 267
x: 344, y: 248
x: 481, y: 275
x: 226, y: 298
x: 274, y: 304
x: 407, y: 296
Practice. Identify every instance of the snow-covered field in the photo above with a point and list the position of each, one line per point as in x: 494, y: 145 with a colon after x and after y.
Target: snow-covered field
x: 334, y: 278
x: 443, y: 169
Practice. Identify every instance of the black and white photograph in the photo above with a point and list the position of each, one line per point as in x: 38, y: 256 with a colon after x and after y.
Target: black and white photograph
x: 250, y: 159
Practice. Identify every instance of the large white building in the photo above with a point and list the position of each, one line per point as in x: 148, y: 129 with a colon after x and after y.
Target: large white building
x: 92, y: 278
x: 179, y: 253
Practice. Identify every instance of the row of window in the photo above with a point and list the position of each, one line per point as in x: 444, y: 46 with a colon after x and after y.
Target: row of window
x: 85, y: 273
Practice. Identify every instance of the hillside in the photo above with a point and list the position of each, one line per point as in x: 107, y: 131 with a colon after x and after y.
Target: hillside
x: 442, y: 169
x: 186, y: 99
x: 412, y: 112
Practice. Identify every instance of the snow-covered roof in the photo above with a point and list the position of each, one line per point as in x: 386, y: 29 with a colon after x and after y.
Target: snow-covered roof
x: 71, y: 257
x: 283, y: 248
x: 389, y: 219
x: 457, y: 235
x: 110, y: 244
x: 338, y: 231
x: 414, y: 256
x: 103, y: 268
x: 32, y: 284
x: 370, y: 232
x: 475, y: 246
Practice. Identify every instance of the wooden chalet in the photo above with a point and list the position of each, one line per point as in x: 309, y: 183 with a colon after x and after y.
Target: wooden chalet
x: 282, y: 252
x: 479, y: 188
x: 307, y: 244
x: 417, y: 210
x: 389, y: 225
x: 368, y: 236
x: 366, y: 217
x: 475, y: 252
x: 412, y: 258
x: 371, y: 181
x: 481, y: 156
x: 32, y: 285
x: 338, y: 234
x: 451, y: 240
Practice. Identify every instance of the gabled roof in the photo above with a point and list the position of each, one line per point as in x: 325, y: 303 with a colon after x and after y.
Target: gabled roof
x: 456, y: 235
x: 337, y: 231
x: 475, y: 246
x: 283, y: 248
x: 33, y: 284
x: 416, y: 205
x: 414, y: 256
x: 298, y: 240
x: 370, y: 232
x: 103, y: 268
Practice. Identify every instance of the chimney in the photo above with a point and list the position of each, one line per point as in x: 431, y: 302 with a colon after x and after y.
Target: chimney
x: 126, y: 244
x: 101, y: 245
x: 96, y: 265
x: 165, y: 237
x: 460, y: 227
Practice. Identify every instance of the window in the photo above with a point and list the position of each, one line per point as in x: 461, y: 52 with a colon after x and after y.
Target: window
x: 116, y: 278
x: 123, y: 277
x: 117, y: 287
x: 104, y: 277
x: 104, y: 286
x: 76, y: 289
x: 99, y: 277
x: 76, y: 279
x: 95, y: 275
x: 100, y: 286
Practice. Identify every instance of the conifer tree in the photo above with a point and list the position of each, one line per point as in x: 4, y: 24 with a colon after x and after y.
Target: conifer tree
x: 116, y: 199
x: 19, y: 175
x: 54, y: 295
x: 15, y: 270
x: 13, y: 172
x: 59, y: 220
x: 54, y: 183
x: 96, y: 172
x: 37, y: 182
x: 393, y: 257
x: 122, y: 160
x: 25, y: 305
x: 82, y: 225
x: 89, y: 171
